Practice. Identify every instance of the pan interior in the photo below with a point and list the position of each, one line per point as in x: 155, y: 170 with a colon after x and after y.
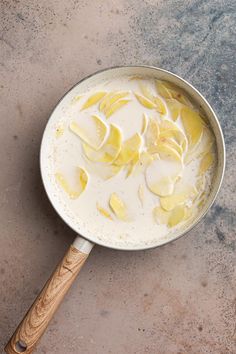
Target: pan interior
x: 95, y: 234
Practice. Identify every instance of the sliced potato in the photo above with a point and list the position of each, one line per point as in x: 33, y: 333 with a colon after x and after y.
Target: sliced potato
x: 176, y: 135
x: 163, y: 187
x: 160, y: 215
x: 145, y: 91
x: 177, y: 215
x: 114, y: 98
x: 105, y: 101
x: 172, y: 143
x: 170, y: 202
x: 207, y: 142
x: 83, y: 178
x: 129, y: 168
x: 202, y: 148
x: 170, y: 129
x: 152, y: 133
x: 176, y: 146
x: 166, y: 151
x: 181, y: 139
x: 141, y: 194
x: 132, y: 164
x: 104, y: 212
x: 118, y: 207
x: 167, y: 124
x: 117, y: 105
x: 92, y: 130
x: 162, y: 89
x: 109, y: 151
x: 206, y: 163
x: 161, y: 176
x: 193, y: 125
x: 128, y: 150
x: 170, y: 85
x: 184, y: 144
x: 169, y: 90
x: 144, y: 161
x: 191, y: 152
x: 160, y: 106
x: 145, y: 124
x: 81, y: 181
x: 145, y: 101
x: 93, y: 99
x: 179, y: 95
x: 174, y: 107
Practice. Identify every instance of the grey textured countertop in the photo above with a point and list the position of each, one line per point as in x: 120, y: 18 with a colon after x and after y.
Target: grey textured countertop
x: 178, y: 299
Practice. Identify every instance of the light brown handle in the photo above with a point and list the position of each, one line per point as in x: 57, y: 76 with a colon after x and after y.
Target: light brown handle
x: 37, y: 318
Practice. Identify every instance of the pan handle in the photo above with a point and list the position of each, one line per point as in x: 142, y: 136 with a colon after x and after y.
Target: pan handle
x: 35, y: 322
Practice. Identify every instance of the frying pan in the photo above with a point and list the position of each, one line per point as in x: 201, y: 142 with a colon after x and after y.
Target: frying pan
x: 37, y: 318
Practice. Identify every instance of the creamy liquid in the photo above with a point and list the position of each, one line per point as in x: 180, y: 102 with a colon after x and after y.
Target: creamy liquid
x: 141, y: 228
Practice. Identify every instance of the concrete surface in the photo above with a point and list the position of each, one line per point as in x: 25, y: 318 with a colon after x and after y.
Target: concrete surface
x: 180, y: 298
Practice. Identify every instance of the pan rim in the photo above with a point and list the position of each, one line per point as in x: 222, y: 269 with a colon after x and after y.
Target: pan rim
x: 196, y: 221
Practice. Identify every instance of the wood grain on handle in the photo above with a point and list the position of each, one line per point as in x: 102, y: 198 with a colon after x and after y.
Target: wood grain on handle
x: 36, y: 320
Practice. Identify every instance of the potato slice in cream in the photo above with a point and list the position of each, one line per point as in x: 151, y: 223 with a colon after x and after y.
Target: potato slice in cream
x: 92, y: 130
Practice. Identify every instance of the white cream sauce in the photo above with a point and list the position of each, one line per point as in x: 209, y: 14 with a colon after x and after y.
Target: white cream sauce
x: 68, y: 154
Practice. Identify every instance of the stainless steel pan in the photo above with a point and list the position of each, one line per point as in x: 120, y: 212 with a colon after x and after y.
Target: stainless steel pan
x: 36, y: 320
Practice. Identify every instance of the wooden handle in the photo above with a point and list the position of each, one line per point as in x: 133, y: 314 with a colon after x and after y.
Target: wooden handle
x: 37, y: 318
